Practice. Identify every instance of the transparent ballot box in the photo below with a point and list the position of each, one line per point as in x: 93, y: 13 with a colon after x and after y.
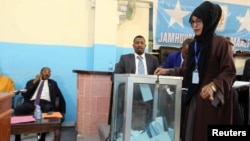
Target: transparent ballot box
x: 146, y: 108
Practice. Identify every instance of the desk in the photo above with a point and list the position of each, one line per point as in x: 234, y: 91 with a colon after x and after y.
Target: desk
x: 45, y: 125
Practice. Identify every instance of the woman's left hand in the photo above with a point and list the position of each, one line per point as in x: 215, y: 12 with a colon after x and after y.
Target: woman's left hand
x: 207, y: 92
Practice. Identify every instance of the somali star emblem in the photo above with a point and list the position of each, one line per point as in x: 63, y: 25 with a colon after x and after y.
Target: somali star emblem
x: 176, y: 15
x: 244, y: 21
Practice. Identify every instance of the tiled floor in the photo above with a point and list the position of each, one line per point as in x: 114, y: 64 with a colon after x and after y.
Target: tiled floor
x: 67, y: 134
x: 94, y: 138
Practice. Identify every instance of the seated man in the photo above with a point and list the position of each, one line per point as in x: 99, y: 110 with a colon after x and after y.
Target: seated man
x: 237, y: 112
x: 6, y: 84
x: 244, y: 92
x: 50, y: 91
x: 175, y: 59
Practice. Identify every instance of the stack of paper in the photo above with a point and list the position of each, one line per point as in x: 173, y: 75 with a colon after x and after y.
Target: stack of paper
x: 238, y: 84
x: 52, y: 115
x: 22, y: 119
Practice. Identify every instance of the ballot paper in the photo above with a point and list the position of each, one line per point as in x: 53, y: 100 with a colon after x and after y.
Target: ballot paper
x: 22, y: 119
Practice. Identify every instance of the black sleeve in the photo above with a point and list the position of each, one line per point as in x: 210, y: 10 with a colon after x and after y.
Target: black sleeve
x: 246, y: 71
x: 31, y: 88
x: 62, y: 103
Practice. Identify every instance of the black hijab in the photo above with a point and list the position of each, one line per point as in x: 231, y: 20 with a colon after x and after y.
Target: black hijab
x: 210, y: 15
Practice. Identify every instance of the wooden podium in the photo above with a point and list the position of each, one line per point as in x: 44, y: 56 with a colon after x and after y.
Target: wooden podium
x: 93, y: 98
x: 5, y: 115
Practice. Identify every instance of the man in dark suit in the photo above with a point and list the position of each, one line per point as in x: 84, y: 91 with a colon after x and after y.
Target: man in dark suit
x: 128, y: 64
x: 50, y: 91
x: 246, y: 71
x: 175, y: 59
x: 244, y: 92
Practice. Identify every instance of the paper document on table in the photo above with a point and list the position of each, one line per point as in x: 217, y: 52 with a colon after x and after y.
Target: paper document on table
x: 52, y: 115
x: 238, y: 84
x: 22, y: 119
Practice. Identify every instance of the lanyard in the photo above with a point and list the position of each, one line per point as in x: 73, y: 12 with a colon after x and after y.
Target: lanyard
x: 197, y: 57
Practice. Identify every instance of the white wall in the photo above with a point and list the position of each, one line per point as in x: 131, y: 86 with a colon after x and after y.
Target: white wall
x: 139, y: 25
x: 69, y: 22
x: 63, y: 22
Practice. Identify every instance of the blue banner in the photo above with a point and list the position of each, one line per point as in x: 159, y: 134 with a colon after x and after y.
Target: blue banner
x: 172, y: 27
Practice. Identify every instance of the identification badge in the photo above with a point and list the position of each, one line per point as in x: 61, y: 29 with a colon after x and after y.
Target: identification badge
x: 195, y: 78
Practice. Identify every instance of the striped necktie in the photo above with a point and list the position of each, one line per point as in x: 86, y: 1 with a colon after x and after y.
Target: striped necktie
x: 39, y: 92
x: 140, y: 65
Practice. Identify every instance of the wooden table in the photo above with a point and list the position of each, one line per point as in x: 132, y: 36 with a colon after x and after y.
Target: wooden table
x: 45, y: 125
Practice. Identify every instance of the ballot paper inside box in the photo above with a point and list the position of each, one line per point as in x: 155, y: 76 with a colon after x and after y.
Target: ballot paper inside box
x: 146, y: 107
